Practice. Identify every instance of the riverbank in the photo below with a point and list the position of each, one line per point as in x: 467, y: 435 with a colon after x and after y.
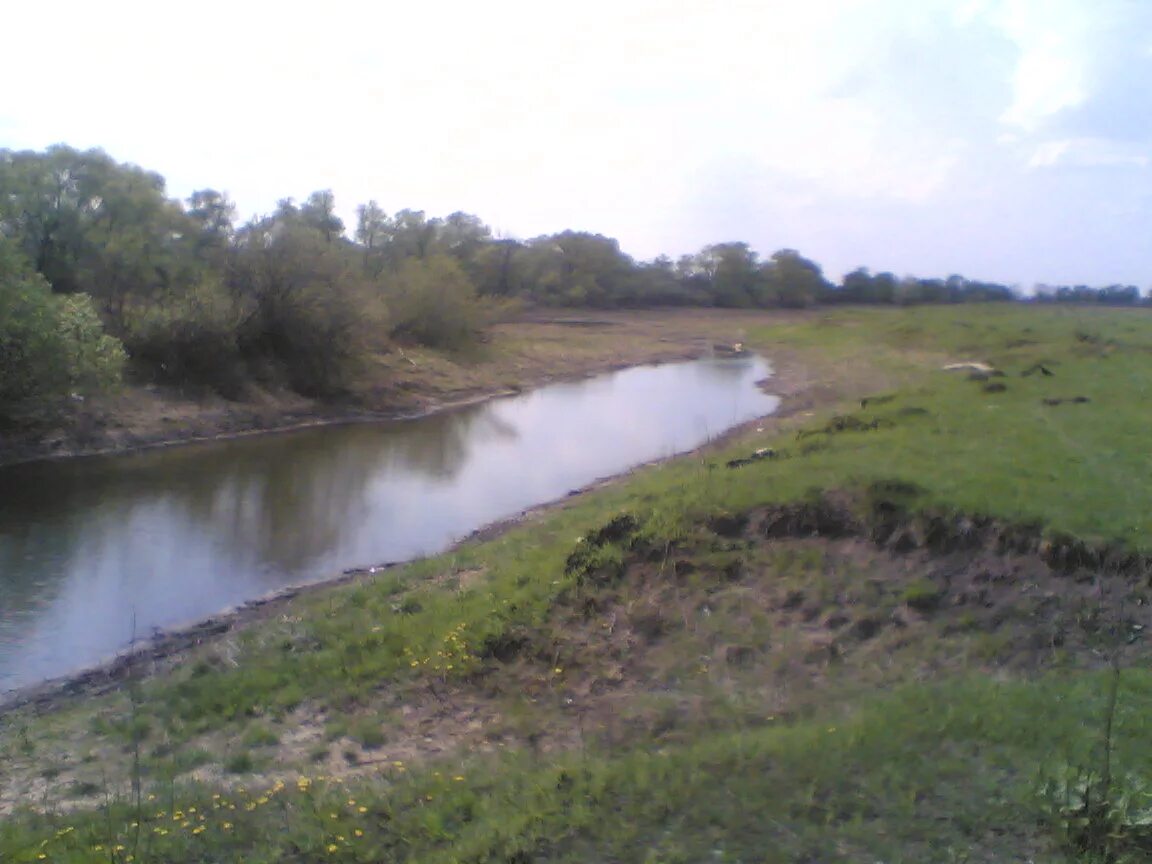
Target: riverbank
x: 788, y: 381
x: 535, y: 349
x: 861, y: 631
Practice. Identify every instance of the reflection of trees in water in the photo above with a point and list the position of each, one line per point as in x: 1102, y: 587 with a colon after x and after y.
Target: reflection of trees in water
x: 21, y: 587
x: 439, y: 446
x: 281, y: 501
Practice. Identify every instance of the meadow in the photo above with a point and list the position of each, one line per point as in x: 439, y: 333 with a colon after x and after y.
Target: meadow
x: 903, y: 621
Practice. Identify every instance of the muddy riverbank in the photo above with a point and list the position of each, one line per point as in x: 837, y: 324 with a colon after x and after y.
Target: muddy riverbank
x: 163, y: 648
x: 534, y: 350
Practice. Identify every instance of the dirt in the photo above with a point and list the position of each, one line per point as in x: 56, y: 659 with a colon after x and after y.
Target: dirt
x: 779, y: 610
x: 536, y: 348
x: 169, y: 647
x: 604, y: 698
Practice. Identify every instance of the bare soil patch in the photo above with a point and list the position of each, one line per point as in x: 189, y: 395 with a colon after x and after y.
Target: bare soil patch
x: 775, y: 611
x: 536, y: 348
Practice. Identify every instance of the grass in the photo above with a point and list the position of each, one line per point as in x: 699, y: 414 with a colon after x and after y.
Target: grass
x: 671, y: 685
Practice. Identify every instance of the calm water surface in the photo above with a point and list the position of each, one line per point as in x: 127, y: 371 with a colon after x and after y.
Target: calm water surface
x: 163, y: 537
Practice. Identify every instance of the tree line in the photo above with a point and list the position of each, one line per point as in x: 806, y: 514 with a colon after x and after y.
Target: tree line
x: 101, y: 272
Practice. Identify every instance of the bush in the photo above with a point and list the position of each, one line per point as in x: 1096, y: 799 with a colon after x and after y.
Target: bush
x: 305, y: 311
x: 189, y: 340
x: 433, y: 302
x: 49, y: 345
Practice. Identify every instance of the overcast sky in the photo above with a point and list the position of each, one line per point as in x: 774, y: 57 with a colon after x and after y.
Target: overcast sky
x: 998, y: 139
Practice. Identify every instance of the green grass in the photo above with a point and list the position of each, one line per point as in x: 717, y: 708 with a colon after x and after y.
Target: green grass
x: 944, y: 763
x: 928, y: 773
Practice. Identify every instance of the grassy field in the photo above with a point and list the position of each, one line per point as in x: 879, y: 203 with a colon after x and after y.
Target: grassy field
x: 904, y: 622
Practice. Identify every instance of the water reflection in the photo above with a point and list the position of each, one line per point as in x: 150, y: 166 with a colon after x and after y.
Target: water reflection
x: 87, y: 547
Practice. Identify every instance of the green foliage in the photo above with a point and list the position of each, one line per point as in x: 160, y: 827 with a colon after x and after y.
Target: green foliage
x: 958, y: 764
x: 304, y: 308
x: 289, y: 299
x: 191, y: 338
x: 432, y: 301
x: 49, y: 346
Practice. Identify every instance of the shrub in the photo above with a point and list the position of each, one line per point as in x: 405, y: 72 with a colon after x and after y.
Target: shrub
x: 189, y: 339
x: 433, y: 302
x: 49, y: 345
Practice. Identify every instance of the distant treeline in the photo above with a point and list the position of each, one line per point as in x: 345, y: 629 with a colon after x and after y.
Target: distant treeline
x: 100, y: 271
x: 1110, y: 295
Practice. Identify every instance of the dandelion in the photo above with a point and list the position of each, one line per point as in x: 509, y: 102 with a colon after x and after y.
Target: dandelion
x: 362, y: 809
x: 227, y: 826
x: 332, y: 847
x: 358, y: 833
x: 458, y: 778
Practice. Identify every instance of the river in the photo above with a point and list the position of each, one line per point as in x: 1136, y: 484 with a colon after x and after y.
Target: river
x: 96, y: 551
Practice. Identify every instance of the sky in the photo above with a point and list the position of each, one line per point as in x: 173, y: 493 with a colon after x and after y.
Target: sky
x: 1008, y: 140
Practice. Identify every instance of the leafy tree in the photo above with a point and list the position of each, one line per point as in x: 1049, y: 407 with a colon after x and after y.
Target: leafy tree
x: 372, y: 233
x: 793, y: 280
x: 214, y: 215
x: 576, y: 268
x: 412, y: 236
x: 191, y: 338
x: 91, y: 225
x: 304, y: 306
x: 49, y: 345
x: 731, y: 273
x: 499, y: 268
x: 433, y: 302
x: 319, y: 212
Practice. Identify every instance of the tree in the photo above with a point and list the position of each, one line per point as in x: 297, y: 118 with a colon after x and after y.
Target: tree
x: 91, y: 225
x: 576, y: 268
x: 213, y: 213
x: 319, y: 212
x: 371, y: 233
x: 303, y: 304
x: 793, y: 280
x: 432, y: 301
x: 731, y: 273
x: 49, y: 345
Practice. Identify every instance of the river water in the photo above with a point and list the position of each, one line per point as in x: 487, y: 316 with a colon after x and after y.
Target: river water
x: 96, y: 550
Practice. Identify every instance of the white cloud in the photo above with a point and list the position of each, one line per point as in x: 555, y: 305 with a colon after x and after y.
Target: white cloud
x: 834, y: 127
x: 1089, y: 153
